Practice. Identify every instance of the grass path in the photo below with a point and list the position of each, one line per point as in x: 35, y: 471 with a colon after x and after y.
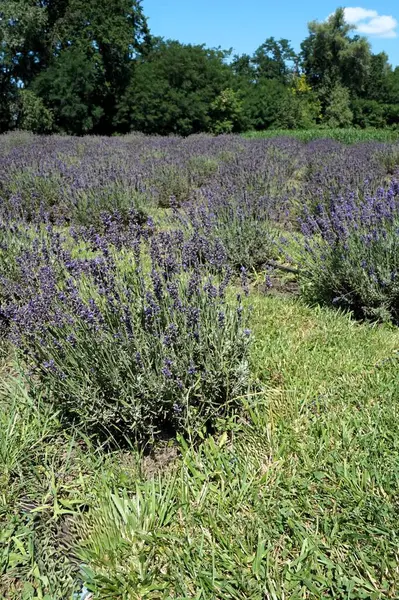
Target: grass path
x: 297, y: 499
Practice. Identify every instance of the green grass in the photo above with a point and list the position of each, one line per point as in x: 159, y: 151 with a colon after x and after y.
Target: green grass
x: 346, y: 136
x: 294, y: 498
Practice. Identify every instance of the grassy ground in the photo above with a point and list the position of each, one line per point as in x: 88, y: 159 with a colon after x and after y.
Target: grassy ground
x: 346, y: 136
x: 295, y: 498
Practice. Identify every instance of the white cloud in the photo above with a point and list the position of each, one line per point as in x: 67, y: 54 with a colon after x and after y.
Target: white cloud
x: 354, y: 15
x: 371, y: 23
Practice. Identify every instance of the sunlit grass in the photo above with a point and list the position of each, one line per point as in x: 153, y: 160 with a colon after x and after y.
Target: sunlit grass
x: 346, y: 136
x: 295, y: 497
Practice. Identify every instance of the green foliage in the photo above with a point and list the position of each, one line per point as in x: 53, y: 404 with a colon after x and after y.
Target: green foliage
x: 391, y: 114
x: 377, y: 85
x: 337, y: 111
x: 109, y: 36
x: 8, y: 101
x: 55, y: 42
x: 97, y: 70
x: 301, y: 108
x: 23, y: 39
x: 271, y: 105
x: 243, y: 68
x: 305, y: 104
x: 227, y: 112
x: 393, y: 86
x: 368, y: 113
x: 34, y: 116
x: 73, y: 87
x: 331, y: 57
x: 264, y: 104
x: 173, y: 89
x: 272, y: 60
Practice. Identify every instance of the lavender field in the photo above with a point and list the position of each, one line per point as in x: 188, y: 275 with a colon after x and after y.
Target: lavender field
x: 198, y: 385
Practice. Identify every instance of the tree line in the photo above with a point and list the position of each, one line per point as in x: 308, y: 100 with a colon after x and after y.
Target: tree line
x: 92, y: 66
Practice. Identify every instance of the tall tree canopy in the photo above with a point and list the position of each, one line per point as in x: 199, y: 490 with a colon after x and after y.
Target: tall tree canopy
x: 331, y: 56
x: 272, y: 59
x: 91, y: 66
x: 173, y: 88
x: 50, y: 39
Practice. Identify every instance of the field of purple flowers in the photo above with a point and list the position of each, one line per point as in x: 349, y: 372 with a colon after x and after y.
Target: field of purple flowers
x: 130, y: 267
x: 119, y: 257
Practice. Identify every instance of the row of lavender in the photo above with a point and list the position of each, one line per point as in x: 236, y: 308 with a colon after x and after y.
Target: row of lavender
x: 123, y: 262
x: 69, y: 180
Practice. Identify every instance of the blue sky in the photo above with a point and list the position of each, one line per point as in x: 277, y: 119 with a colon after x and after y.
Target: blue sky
x: 244, y: 24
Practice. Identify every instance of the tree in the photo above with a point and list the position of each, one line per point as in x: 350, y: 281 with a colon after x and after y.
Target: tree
x: 173, y: 88
x: 227, y: 112
x: 20, y: 47
x: 72, y: 86
x: 40, y: 35
x: 391, y: 114
x: 22, y: 39
x: 330, y: 57
x: 272, y: 58
x: 33, y: 115
x: 303, y: 109
x: 110, y: 35
x: 393, y: 86
x: 337, y: 111
x: 377, y: 83
x: 265, y: 104
x: 91, y: 66
x: 368, y: 113
x: 243, y: 68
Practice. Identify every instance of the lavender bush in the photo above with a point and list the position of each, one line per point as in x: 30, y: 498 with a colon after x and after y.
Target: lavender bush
x: 128, y: 346
x: 350, y: 257
x: 238, y: 230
